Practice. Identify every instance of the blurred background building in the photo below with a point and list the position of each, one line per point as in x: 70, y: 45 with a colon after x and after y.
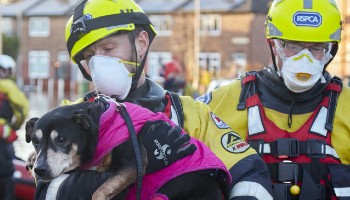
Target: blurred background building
x: 212, y: 39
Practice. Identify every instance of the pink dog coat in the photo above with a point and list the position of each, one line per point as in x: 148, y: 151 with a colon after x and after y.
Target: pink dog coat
x: 113, y: 131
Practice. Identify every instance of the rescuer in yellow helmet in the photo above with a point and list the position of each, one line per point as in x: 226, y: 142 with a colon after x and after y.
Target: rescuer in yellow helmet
x: 294, y: 113
x: 109, y: 40
x: 13, y: 111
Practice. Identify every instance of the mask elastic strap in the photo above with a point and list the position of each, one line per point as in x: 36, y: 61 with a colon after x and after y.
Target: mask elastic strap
x: 280, y: 53
x: 279, y: 49
x: 130, y: 63
x: 333, y: 52
x: 328, y: 56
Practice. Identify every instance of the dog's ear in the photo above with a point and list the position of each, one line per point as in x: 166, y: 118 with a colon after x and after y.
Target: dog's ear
x: 82, y: 119
x: 30, y: 128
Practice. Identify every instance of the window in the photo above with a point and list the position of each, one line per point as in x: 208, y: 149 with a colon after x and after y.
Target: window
x: 155, y: 62
x: 210, y: 25
x: 7, y: 25
x: 162, y: 24
x: 39, y: 26
x: 39, y: 64
x: 62, y: 65
x: 210, y: 62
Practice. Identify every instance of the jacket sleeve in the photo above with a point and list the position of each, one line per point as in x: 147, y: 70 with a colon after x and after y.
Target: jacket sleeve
x: 251, y: 179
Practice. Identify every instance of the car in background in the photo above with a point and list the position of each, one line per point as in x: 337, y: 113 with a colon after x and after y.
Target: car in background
x: 24, y: 181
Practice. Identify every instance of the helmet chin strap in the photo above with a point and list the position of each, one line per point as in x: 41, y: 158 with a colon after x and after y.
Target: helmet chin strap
x: 83, y: 71
x: 139, y: 70
x: 273, y: 57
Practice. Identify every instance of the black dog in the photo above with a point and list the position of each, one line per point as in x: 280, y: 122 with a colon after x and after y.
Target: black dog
x: 66, y: 137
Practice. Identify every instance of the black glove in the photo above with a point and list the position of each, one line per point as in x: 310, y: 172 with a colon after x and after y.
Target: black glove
x: 164, y: 144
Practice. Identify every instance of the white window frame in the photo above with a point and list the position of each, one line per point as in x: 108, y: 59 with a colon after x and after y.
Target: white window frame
x: 155, y: 62
x: 6, y: 25
x: 210, y: 61
x: 39, y: 64
x: 39, y: 26
x: 163, y: 24
x: 210, y: 25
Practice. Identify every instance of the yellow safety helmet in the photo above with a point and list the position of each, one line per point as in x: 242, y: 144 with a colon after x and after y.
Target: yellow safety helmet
x: 304, y: 20
x: 94, y: 20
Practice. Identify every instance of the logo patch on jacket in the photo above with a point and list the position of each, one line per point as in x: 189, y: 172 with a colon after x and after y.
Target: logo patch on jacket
x: 218, y: 122
x: 307, y: 19
x: 205, y: 98
x: 233, y: 143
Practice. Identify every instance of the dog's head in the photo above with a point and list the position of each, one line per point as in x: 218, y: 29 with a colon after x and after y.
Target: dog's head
x: 64, y: 138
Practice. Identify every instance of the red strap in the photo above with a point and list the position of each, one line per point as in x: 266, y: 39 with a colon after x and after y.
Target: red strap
x: 248, y: 79
x: 167, y: 110
x: 92, y: 99
x: 334, y: 87
x: 11, y: 138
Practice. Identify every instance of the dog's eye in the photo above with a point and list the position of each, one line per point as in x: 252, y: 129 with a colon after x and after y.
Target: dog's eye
x: 61, y: 140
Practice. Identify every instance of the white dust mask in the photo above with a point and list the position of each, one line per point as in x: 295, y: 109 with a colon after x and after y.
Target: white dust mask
x: 110, y: 76
x: 301, y: 71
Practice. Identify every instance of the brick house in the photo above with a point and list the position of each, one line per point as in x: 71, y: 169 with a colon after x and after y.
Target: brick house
x: 230, y: 40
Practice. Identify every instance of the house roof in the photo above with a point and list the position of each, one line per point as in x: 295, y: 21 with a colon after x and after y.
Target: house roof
x: 214, y: 5
x: 161, y: 6
x: 52, y: 8
x: 11, y: 10
x: 65, y: 7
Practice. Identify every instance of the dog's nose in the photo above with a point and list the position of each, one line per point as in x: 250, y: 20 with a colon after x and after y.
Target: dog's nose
x: 40, y: 171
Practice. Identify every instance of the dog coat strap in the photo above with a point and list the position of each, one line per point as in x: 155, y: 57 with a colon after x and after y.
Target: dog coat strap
x: 159, y: 196
x: 124, y: 113
x: 54, y: 186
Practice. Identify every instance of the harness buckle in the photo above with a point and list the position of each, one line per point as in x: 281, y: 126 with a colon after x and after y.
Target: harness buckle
x: 316, y: 148
x: 287, y: 171
x: 286, y: 147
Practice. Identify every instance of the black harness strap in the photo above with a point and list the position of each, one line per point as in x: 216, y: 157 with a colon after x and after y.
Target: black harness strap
x: 175, y: 101
x: 284, y: 174
x: 248, y: 82
x: 284, y: 171
x: 332, y: 105
x: 291, y: 147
